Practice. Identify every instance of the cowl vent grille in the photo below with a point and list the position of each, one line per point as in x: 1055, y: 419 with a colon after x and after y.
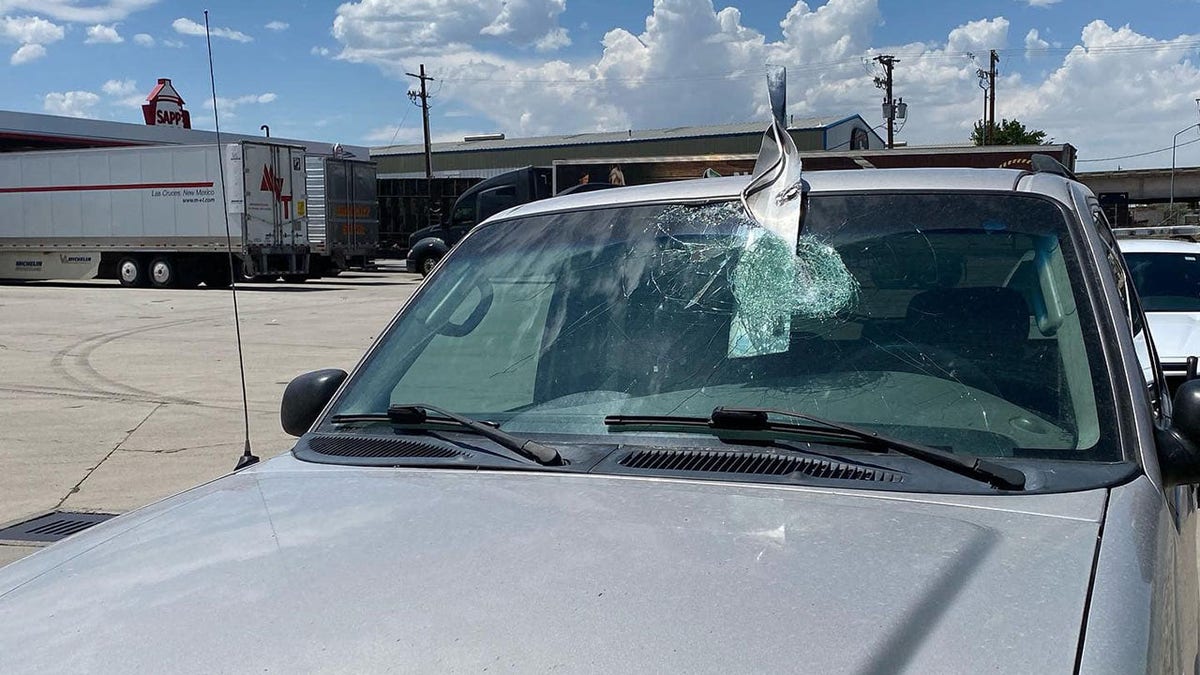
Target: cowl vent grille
x: 378, y: 446
x: 756, y: 463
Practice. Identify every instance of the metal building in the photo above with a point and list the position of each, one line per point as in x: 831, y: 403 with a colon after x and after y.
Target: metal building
x: 408, y: 202
x: 31, y: 131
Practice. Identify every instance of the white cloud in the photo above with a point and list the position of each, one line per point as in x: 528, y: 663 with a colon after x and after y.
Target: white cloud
x: 1042, y: 3
x: 530, y: 22
x: 79, y: 11
x: 27, y: 53
x: 695, y: 64
x: 119, y: 87
x: 978, y: 36
x: 410, y: 135
x: 1115, y: 80
x: 70, y: 103
x: 185, y: 26
x: 319, y: 51
x: 370, y: 29
x: 277, y: 25
x: 102, y: 34
x: 143, y: 40
x: 123, y: 93
x: 229, y: 105
x: 33, y: 33
x: 393, y: 135
x: 30, y: 30
x: 173, y: 44
x: 555, y: 39
x: 1034, y: 43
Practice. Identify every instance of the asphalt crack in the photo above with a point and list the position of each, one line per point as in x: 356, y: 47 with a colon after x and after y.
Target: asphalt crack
x: 104, y: 459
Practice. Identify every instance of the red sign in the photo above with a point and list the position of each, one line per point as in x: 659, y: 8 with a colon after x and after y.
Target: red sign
x: 164, y: 107
x: 274, y: 184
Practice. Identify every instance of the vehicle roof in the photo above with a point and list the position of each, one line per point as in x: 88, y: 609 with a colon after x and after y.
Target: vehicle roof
x: 855, y: 180
x: 1153, y: 245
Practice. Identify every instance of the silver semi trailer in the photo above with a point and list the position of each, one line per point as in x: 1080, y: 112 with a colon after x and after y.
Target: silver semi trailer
x: 154, y: 215
x: 343, y: 214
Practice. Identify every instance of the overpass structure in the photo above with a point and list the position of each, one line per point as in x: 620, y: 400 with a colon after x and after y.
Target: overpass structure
x: 1118, y: 189
x: 1146, y: 186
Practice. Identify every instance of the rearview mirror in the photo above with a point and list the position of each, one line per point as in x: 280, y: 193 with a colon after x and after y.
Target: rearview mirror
x: 305, y: 398
x: 1179, y: 445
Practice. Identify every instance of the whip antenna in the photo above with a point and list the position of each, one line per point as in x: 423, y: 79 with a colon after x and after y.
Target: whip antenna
x: 247, y: 457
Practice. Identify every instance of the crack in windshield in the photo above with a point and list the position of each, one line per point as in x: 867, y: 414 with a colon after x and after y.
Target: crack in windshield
x: 770, y: 282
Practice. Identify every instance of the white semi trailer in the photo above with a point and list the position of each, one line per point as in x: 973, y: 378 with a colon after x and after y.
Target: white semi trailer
x: 154, y: 215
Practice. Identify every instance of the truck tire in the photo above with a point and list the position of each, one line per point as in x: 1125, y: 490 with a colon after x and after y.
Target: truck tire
x: 295, y: 278
x: 131, y: 272
x: 244, y: 278
x: 164, y: 273
x: 427, y: 263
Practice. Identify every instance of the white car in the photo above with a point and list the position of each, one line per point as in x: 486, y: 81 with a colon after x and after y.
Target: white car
x: 1166, y: 273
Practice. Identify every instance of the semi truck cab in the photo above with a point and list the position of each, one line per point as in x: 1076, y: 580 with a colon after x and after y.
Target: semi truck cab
x: 427, y: 245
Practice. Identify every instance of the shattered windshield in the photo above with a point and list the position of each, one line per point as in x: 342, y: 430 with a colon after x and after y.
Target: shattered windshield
x: 946, y: 319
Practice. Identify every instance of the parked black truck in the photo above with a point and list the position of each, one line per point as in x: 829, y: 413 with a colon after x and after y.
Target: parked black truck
x: 427, y: 245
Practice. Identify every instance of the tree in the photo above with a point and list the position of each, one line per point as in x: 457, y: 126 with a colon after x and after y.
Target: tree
x: 1008, y: 132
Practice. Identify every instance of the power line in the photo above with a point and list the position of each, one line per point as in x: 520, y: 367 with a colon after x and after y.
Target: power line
x: 1111, y: 49
x: 820, y: 66
x: 400, y: 126
x: 1138, y: 154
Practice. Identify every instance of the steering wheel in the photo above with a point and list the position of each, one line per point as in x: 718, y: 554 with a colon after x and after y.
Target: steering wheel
x: 925, y: 359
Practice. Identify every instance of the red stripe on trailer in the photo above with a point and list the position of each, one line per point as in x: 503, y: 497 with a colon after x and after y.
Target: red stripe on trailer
x: 124, y: 186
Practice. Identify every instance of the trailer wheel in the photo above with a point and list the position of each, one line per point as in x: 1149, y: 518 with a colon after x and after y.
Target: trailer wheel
x: 163, y: 273
x: 131, y: 272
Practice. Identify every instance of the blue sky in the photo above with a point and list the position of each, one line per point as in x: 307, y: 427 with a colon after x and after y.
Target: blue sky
x: 335, y: 71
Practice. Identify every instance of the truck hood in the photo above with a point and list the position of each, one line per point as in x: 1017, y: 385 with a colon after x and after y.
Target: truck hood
x: 1176, y: 335
x: 424, y: 233
x: 288, y: 567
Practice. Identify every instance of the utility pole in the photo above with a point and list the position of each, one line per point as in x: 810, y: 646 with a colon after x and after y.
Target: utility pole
x: 987, y: 82
x: 995, y: 58
x: 889, y: 105
x: 423, y: 95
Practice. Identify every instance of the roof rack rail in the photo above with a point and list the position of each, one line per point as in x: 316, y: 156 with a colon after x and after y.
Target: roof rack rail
x: 1047, y: 164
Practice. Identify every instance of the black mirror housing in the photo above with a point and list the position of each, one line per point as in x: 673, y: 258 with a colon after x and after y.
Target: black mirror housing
x: 1179, y: 444
x: 305, y: 398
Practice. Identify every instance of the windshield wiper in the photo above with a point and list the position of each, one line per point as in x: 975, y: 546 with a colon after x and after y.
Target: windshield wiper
x: 416, y: 414
x: 758, y: 419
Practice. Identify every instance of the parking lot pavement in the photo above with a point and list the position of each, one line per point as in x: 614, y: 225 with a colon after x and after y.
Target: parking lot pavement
x: 113, y: 397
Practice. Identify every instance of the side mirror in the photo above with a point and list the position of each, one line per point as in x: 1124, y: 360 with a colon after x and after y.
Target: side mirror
x: 1179, y: 445
x: 305, y: 398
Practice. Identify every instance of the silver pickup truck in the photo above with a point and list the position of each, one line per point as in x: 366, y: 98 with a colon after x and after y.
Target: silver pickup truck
x: 633, y: 431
